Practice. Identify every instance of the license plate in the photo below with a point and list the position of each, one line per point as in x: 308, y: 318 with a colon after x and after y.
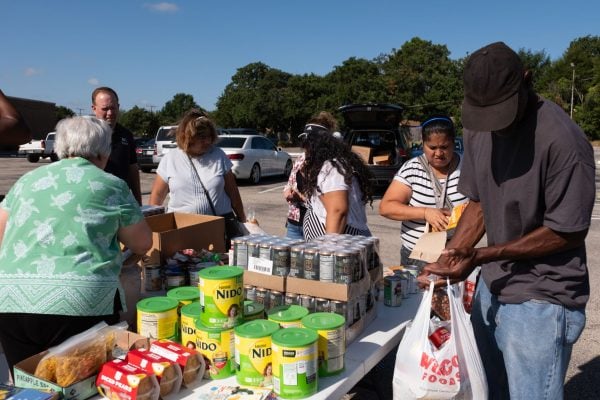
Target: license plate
x: 148, y: 152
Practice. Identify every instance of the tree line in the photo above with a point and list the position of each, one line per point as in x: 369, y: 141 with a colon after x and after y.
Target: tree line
x: 420, y: 76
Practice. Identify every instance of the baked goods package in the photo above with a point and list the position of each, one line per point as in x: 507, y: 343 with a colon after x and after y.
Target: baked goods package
x: 119, y: 380
x: 167, y: 372
x: 191, y: 362
x: 80, y: 356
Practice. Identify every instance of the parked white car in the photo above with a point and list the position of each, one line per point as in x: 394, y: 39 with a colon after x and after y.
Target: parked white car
x: 255, y: 156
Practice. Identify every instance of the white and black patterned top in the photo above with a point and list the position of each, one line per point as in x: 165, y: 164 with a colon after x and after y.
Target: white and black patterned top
x: 414, y: 175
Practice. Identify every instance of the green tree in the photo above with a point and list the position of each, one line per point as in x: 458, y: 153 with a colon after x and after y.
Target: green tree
x: 141, y: 122
x: 421, y: 76
x: 63, y: 112
x: 175, y: 108
x: 355, y: 81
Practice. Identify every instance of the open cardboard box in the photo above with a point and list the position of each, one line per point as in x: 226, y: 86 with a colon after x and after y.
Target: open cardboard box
x: 172, y: 232
x: 23, y: 372
x: 271, y: 282
x: 365, y: 152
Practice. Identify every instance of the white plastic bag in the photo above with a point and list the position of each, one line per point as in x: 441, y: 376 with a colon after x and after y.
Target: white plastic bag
x: 454, y: 371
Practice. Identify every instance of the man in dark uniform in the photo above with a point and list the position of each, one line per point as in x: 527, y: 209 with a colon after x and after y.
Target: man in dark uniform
x: 123, y: 160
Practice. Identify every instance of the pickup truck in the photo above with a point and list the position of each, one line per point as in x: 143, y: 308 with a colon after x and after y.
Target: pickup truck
x: 36, y: 149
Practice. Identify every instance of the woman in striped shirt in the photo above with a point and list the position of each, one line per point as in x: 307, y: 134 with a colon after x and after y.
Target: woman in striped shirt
x: 424, y: 190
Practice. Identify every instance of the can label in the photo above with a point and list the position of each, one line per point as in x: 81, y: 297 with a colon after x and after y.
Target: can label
x: 322, y: 305
x: 296, y: 262
x: 240, y: 254
x: 262, y: 297
x: 311, y: 264
x: 217, y: 348
x: 188, y: 331
x: 326, y: 266
x: 275, y: 299
x: 152, y: 279
x: 159, y: 325
x: 250, y: 292
x: 343, y: 268
x: 307, y: 302
x: 392, y: 291
x: 331, y: 348
x: 221, y: 302
x: 291, y: 299
x: 281, y: 261
x: 253, y: 359
x: 295, y: 371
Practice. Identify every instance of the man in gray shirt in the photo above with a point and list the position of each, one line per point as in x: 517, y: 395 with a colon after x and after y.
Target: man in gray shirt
x: 530, y: 175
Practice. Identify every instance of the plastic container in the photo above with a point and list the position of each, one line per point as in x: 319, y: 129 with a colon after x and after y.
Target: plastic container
x: 217, y: 347
x: 331, y: 329
x: 253, y: 360
x: 189, y: 314
x: 157, y: 318
x: 221, y: 296
x: 288, y: 316
x: 253, y: 311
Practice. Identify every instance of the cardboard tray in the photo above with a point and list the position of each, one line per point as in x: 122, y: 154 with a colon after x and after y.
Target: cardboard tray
x: 333, y: 291
x: 23, y: 372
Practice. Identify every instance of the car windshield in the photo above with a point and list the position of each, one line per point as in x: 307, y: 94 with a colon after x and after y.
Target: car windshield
x: 231, y: 142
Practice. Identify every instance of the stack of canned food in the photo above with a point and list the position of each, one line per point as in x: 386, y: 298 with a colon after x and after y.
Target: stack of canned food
x: 329, y: 258
x: 179, y: 270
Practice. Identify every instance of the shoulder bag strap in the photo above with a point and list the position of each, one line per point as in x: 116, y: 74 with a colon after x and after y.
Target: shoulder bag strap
x: 212, y: 207
x: 439, y: 190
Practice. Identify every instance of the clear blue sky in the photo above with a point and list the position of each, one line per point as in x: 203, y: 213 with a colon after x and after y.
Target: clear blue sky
x: 59, y: 50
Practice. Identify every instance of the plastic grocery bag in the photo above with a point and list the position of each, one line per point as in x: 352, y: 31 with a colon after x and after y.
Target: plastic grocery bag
x: 454, y: 371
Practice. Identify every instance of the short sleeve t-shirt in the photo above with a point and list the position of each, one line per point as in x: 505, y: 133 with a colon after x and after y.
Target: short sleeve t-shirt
x: 60, y: 253
x: 543, y: 175
x: 185, y: 191
x: 414, y: 175
x: 330, y: 180
x: 122, y: 153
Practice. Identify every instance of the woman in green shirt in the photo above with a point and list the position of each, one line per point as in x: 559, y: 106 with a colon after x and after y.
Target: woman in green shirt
x: 60, y: 228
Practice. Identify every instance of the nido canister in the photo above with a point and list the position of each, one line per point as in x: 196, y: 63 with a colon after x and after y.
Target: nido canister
x: 157, y: 318
x: 184, y: 295
x: 253, y: 360
x: 287, y: 316
x: 294, y: 362
x: 217, y: 346
x: 221, y: 296
x: 189, y: 314
x: 331, y: 346
x: 253, y: 311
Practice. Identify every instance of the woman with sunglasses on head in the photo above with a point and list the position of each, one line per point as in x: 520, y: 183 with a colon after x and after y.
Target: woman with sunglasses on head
x: 197, y: 175
x: 336, y: 183
x: 424, y: 190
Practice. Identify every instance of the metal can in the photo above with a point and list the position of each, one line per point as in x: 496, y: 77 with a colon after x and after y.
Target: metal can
x: 322, y: 305
x: 152, y: 278
x: 253, y: 247
x: 291, y: 299
x: 359, y: 268
x: 296, y: 261
x: 275, y: 299
x: 240, y: 252
x: 307, y: 302
x: 311, y: 263
x: 264, y: 250
x: 250, y: 292
x: 392, y: 290
x: 281, y: 259
x: 326, y: 262
x: 343, y: 266
x: 262, y: 297
x: 341, y: 308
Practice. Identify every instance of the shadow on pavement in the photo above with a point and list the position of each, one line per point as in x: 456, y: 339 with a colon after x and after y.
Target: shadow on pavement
x: 585, y: 385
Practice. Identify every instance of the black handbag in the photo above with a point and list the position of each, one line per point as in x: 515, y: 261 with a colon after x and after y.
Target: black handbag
x: 233, y: 227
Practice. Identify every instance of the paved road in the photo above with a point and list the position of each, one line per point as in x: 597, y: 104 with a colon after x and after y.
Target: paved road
x: 265, y: 200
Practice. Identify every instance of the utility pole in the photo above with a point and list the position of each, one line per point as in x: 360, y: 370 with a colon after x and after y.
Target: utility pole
x: 572, y: 88
x: 80, y: 110
x: 152, y: 109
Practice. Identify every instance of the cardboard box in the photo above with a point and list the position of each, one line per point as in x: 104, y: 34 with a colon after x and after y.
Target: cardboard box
x: 366, y: 153
x: 382, y: 160
x: 327, y: 290
x: 23, y: 372
x: 271, y: 282
x: 376, y: 274
x: 359, y: 326
x: 172, y: 232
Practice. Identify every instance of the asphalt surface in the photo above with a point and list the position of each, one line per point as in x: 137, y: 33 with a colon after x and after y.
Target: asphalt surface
x: 583, y: 376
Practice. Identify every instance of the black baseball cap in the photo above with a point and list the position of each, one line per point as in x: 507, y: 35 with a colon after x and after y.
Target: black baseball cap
x: 492, y: 81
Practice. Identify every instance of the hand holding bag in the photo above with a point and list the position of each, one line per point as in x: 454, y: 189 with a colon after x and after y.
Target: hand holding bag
x: 454, y: 371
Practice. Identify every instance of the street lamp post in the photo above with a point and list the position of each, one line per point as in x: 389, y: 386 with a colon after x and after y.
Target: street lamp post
x: 572, y: 88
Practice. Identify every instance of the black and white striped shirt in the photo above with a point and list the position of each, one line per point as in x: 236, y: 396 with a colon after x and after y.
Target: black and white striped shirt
x: 414, y: 175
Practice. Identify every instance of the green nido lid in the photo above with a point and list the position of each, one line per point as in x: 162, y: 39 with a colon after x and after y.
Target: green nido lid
x: 323, y: 321
x: 221, y: 272
x: 287, y: 313
x: 257, y: 328
x: 253, y: 308
x: 200, y: 326
x: 157, y: 304
x: 184, y: 293
x: 191, y: 310
x: 294, y: 337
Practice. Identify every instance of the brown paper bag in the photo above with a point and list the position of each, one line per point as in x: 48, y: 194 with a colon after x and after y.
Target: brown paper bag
x: 429, y: 246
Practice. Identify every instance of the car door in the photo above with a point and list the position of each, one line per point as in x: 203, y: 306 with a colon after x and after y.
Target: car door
x: 262, y: 154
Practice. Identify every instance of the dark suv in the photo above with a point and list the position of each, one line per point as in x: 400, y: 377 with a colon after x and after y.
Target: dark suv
x: 373, y: 131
